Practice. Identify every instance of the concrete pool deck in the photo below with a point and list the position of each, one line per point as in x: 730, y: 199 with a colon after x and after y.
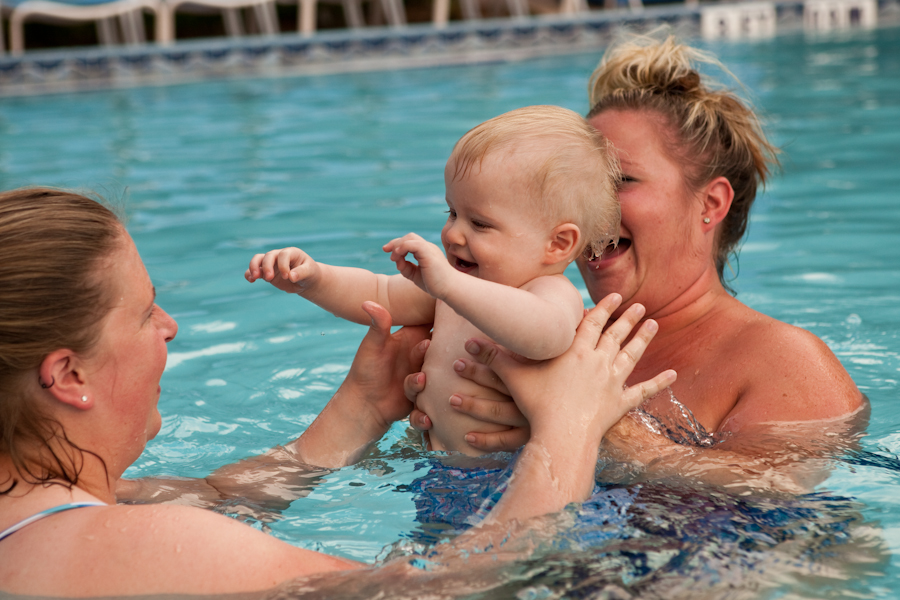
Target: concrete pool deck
x: 336, y: 51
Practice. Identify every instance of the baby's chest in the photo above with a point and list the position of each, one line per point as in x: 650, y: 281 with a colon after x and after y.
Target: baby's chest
x: 450, y: 334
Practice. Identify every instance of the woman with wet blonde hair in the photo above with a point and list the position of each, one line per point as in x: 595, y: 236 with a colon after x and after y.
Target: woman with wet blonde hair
x: 82, y: 352
x: 693, y: 156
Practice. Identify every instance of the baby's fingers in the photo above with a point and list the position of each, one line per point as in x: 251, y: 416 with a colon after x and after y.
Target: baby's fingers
x: 253, y: 272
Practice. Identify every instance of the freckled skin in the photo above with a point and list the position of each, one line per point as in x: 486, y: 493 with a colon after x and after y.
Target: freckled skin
x: 736, y: 367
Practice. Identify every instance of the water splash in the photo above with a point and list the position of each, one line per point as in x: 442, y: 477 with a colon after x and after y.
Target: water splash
x: 675, y: 421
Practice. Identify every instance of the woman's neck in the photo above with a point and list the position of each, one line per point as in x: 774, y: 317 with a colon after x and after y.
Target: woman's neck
x: 91, y: 485
x: 704, y: 296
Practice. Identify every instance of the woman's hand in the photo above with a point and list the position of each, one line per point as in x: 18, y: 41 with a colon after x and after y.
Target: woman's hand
x: 571, y: 402
x: 371, y: 397
x: 498, y: 412
x: 584, y: 387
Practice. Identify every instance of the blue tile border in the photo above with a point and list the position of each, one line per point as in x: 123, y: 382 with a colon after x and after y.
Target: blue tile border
x: 374, y: 48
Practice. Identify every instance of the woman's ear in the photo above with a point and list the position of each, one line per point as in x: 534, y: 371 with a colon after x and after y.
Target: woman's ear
x: 717, y: 199
x: 60, y: 377
x: 564, y: 240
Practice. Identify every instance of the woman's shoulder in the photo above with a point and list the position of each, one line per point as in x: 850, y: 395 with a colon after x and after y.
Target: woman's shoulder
x: 774, y: 340
x: 789, y: 373
x: 153, y: 549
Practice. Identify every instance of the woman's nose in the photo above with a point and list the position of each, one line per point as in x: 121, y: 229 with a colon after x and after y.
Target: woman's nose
x: 168, y: 325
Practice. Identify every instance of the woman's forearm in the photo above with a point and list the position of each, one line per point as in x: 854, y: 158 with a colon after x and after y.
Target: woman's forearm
x: 548, y: 475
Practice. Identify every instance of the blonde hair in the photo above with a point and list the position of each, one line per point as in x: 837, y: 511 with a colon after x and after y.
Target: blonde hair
x: 575, y: 173
x: 713, y: 133
x: 52, y: 244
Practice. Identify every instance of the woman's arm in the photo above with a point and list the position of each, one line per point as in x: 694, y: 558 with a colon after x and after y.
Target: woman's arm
x: 571, y: 402
x: 369, y: 400
x: 761, y: 454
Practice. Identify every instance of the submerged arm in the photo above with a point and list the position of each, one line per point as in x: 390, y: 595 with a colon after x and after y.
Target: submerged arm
x: 363, y: 408
x: 571, y: 402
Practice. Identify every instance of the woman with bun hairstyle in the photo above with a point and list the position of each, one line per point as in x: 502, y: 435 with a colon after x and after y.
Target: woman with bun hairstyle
x: 693, y: 156
x: 82, y: 352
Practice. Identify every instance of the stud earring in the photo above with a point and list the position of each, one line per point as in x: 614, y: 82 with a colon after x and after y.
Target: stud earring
x: 706, y: 220
x: 84, y: 398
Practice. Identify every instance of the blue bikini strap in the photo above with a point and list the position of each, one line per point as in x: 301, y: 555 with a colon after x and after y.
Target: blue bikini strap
x: 46, y: 513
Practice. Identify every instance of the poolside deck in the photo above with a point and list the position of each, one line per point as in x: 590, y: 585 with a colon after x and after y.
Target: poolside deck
x: 333, y: 51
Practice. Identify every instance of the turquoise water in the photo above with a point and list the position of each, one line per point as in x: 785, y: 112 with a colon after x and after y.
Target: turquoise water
x: 212, y: 173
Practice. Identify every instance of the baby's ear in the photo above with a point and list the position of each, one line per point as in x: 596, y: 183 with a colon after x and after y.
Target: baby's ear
x: 563, y: 244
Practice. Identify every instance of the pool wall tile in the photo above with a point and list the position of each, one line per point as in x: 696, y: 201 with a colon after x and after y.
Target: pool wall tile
x: 289, y: 54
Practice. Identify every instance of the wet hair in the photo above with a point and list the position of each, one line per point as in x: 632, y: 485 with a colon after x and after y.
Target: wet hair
x: 711, y: 132
x: 570, y: 165
x: 52, y: 246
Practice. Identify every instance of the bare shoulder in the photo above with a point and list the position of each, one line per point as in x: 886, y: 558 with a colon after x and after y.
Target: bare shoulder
x: 558, y: 289
x: 157, y: 549
x: 789, y: 374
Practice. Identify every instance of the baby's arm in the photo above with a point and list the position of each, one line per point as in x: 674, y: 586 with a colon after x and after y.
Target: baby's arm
x: 342, y: 290
x: 537, y: 320
x: 550, y: 306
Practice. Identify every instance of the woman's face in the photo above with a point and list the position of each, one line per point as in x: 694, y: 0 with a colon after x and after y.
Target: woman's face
x: 125, y: 367
x: 661, y: 251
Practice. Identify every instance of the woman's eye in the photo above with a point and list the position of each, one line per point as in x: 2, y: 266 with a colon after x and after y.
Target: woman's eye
x: 626, y: 179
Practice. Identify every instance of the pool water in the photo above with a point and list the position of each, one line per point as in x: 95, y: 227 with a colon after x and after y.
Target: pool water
x: 211, y: 173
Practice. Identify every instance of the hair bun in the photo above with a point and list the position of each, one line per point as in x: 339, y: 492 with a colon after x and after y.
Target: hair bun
x: 685, y: 84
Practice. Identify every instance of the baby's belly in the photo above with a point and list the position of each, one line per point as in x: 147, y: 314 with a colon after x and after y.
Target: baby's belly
x: 441, y: 382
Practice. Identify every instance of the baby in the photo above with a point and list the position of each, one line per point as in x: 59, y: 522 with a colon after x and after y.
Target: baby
x: 528, y: 192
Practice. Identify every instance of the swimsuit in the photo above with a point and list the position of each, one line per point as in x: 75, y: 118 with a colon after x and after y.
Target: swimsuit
x: 46, y: 513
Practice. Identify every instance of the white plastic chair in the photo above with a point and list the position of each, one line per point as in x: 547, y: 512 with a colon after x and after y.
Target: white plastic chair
x: 2, y: 41
x: 471, y: 9
x: 263, y: 12
x: 128, y: 14
x: 306, y: 20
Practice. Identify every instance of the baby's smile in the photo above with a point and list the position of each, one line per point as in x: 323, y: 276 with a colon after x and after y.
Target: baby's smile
x: 463, y: 265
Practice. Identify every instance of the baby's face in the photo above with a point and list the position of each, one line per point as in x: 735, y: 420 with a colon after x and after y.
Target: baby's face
x: 491, y: 231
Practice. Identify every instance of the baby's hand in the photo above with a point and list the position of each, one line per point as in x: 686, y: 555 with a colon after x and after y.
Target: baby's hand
x: 289, y: 269
x: 431, y: 274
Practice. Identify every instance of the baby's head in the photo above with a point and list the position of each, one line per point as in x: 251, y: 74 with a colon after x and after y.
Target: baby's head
x: 541, y: 164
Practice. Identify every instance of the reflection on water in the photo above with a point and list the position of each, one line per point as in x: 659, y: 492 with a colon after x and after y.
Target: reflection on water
x: 672, y: 419
x: 649, y: 541
x: 641, y: 540
x: 338, y: 165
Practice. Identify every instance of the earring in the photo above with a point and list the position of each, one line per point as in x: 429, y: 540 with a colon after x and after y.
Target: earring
x: 44, y: 385
x: 84, y: 398
x: 706, y: 220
